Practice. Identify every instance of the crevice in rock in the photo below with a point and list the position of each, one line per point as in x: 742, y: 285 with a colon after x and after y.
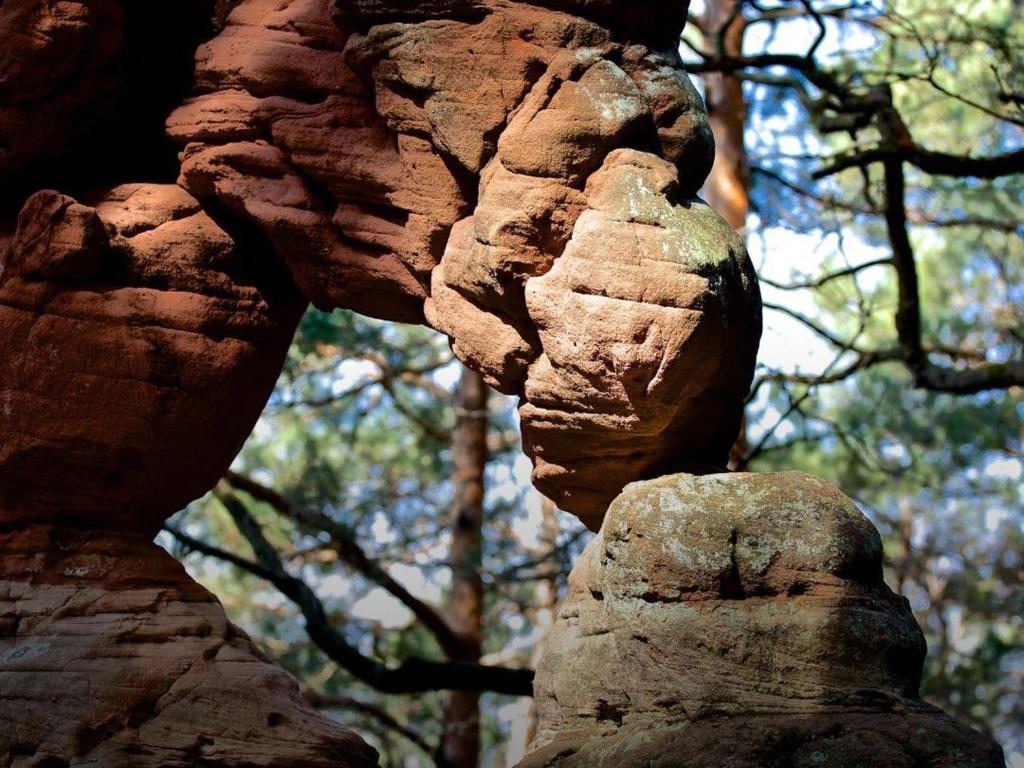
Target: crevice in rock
x: 731, y: 583
x: 123, y: 138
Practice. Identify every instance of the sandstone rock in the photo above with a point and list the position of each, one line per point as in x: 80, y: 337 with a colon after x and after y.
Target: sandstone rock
x: 140, y: 341
x: 648, y: 324
x: 110, y: 655
x: 739, y: 620
x: 140, y: 344
x: 522, y: 176
x: 435, y: 160
x: 85, y: 86
x: 648, y: 20
x: 286, y: 134
x: 356, y: 138
x: 55, y: 69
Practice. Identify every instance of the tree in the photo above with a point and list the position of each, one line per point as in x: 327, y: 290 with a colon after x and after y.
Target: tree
x: 885, y: 149
x: 461, y: 740
x: 357, y: 511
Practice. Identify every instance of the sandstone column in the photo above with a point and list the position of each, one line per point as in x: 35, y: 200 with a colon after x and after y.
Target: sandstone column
x: 139, y: 343
x: 739, y: 620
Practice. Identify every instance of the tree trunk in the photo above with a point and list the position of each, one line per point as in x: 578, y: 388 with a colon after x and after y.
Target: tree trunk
x: 727, y: 189
x: 545, y: 611
x: 460, y: 747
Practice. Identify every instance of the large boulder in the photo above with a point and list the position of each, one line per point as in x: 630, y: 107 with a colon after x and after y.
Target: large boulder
x: 739, y: 620
x: 519, y: 175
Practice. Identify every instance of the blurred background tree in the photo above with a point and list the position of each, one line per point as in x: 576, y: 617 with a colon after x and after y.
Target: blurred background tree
x: 874, y: 155
x: 378, y: 535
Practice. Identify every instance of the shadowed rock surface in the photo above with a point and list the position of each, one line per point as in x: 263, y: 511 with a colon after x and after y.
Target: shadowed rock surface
x: 140, y: 342
x: 110, y: 655
x: 85, y: 86
x: 739, y: 620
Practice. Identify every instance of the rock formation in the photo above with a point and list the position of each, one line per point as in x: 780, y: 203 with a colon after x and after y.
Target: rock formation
x: 521, y: 176
x: 739, y: 620
x: 140, y: 342
x: 140, y: 345
x: 110, y: 655
x: 85, y: 86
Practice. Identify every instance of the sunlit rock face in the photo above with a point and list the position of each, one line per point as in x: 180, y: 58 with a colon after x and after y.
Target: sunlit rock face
x: 521, y: 176
x: 647, y: 325
x: 739, y: 620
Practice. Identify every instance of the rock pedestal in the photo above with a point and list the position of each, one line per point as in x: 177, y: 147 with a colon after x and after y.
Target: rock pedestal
x: 111, y: 655
x: 139, y: 343
x: 739, y: 620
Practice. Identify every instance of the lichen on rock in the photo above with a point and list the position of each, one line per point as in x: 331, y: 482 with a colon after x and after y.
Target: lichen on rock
x: 739, y: 620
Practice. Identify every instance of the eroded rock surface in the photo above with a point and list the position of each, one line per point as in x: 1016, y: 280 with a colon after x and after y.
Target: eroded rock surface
x: 85, y: 86
x: 55, y: 67
x: 111, y: 655
x: 739, y: 620
x: 139, y: 341
x: 521, y: 176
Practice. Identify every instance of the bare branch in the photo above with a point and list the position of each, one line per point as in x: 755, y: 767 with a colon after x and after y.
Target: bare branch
x: 908, y: 314
x: 346, y: 546
x: 414, y: 675
x: 935, y: 163
x: 827, y: 278
x: 323, y: 701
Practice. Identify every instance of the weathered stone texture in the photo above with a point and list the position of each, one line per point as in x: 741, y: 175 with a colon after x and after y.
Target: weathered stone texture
x: 54, y: 72
x: 84, y: 88
x: 739, y: 620
x: 458, y: 162
x: 110, y: 655
x: 140, y: 344
x: 140, y: 341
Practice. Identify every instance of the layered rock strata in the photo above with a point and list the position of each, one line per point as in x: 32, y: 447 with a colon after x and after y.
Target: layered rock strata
x: 452, y: 160
x: 140, y: 343
x: 110, y: 655
x: 739, y: 620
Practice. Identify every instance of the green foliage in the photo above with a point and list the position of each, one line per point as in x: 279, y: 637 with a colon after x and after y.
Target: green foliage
x: 358, y: 429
